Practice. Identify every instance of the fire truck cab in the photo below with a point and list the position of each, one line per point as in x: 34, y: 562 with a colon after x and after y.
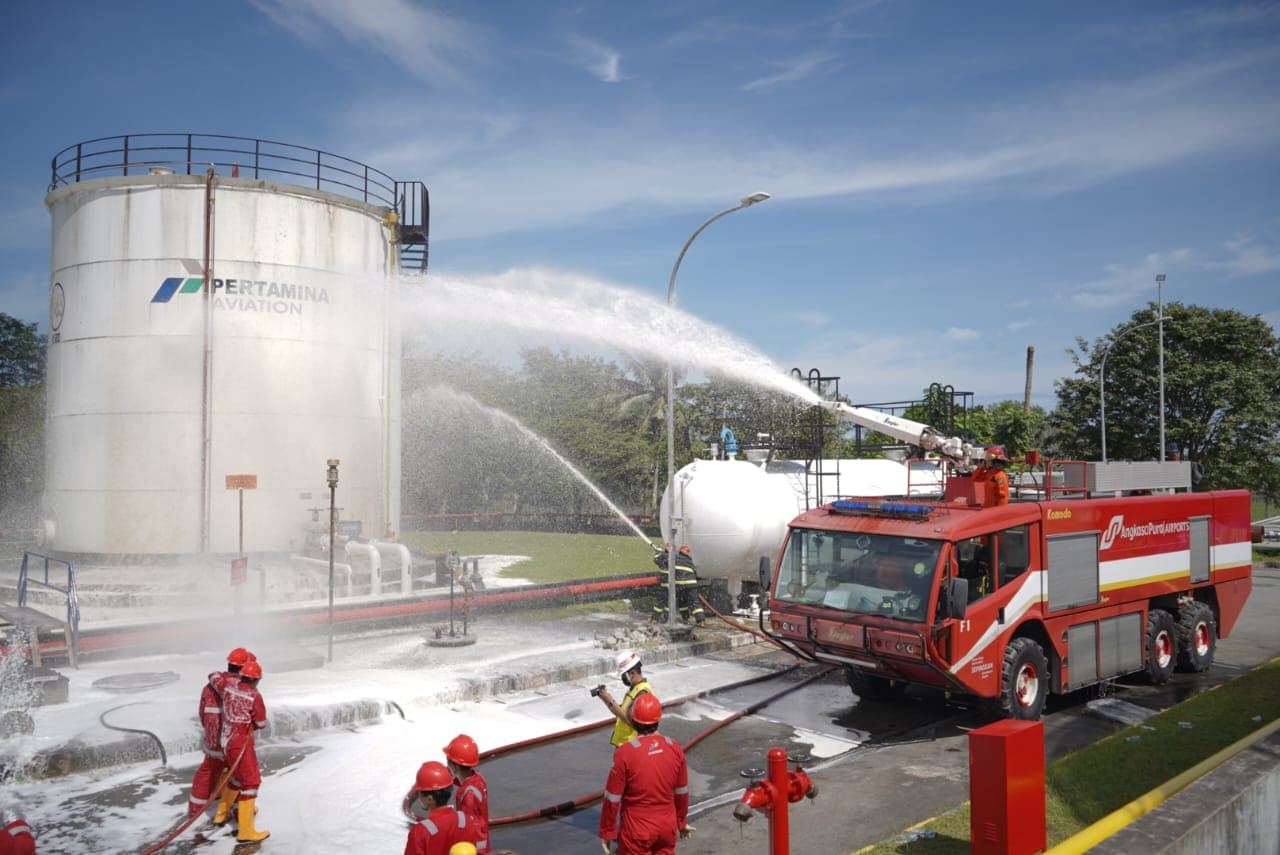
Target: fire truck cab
x: 1013, y: 602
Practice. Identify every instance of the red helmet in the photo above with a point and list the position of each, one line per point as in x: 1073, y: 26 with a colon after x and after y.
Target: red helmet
x: 684, y: 550
x: 432, y: 776
x: 646, y: 709
x: 996, y: 452
x: 239, y: 656
x: 251, y: 670
x: 463, y: 751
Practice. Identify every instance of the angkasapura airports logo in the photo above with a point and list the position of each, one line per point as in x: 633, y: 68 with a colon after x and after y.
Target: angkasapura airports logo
x: 245, y: 295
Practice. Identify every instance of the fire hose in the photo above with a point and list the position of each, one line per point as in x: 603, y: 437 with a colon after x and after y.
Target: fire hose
x: 742, y: 626
x: 223, y: 780
x: 102, y: 719
x: 589, y: 798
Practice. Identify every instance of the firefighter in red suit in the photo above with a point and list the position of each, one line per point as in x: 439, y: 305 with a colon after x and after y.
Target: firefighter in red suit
x: 243, y: 712
x: 210, y: 711
x: 440, y: 826
x: 17, y: 838
x: 472, y: 795
x: 646, y: 799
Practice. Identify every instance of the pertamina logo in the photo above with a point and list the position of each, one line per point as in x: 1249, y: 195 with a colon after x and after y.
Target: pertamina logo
x: 1117, y: 529
x: 243, y: 295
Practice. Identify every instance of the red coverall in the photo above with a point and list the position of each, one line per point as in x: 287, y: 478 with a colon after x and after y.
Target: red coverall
x: 649, y: 786
x: 17, y: 838
x: 441, y: 828
x: 214, y: 762
x: 243, y: 712
x: 472, y: 798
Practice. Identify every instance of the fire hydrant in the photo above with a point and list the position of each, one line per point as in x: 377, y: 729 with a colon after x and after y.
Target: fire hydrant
x: 772, y: 795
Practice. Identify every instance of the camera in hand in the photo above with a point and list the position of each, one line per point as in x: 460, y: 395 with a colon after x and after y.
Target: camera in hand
x: 595, y: 693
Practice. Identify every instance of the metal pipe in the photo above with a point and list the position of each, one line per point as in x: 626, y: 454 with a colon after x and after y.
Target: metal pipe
x: 406, y: 562
x: 375, y: 563
x: 672, y: 609
x: 206, y: 377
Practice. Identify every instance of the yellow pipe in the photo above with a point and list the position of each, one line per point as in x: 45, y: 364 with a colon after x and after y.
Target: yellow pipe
x: 1118, y: 819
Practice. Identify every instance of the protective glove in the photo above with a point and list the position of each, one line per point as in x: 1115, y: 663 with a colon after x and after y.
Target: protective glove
x: 609, y: 847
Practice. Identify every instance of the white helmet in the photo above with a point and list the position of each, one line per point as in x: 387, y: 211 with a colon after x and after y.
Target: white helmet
x: 627, y: 660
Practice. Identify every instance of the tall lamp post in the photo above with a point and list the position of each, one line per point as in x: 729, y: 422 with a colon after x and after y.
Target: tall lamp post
x: 1102, y: 384
x: 672, y: 609
x: 1160, y: 320
x: 333, y: 524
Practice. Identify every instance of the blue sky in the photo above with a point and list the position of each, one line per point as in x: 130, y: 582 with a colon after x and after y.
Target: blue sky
x: 952, y: 182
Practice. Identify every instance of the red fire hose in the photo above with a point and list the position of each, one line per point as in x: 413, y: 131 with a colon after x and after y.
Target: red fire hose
x: 223, y: 779
x: 583, y: 801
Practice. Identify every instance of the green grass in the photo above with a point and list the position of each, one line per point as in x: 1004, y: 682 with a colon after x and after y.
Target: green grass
x: 1086, y: 785
x: 551, y: 557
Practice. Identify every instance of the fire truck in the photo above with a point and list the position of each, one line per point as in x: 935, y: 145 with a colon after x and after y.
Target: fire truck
x: 1100, y: 570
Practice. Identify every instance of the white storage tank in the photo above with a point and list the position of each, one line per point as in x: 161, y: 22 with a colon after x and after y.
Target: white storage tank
x: 731, y: 512
x: 159, y: 388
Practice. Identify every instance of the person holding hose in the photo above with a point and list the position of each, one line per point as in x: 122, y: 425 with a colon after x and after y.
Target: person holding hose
x: 243, y: 713
x: 210, y: 715
x: 628, y: 664
x: 646, y: 798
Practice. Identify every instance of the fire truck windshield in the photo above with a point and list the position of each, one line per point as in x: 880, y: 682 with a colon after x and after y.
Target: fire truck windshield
x: 870, y: 574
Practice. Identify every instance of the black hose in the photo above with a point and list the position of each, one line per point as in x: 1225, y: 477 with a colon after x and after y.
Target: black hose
x: 102, y: 719
x: 396, y: 707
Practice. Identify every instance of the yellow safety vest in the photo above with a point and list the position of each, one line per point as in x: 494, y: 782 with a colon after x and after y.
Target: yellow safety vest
x: 622, y: 730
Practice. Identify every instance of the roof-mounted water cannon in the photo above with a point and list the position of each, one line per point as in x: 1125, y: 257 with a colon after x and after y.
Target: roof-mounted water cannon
x: 965, y: 454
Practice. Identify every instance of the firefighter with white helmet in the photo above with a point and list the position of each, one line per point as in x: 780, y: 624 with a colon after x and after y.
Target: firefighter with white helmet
x: 646, y: 798
x: 629, y: 671
x: 440, y: 827
x: 472, y: 796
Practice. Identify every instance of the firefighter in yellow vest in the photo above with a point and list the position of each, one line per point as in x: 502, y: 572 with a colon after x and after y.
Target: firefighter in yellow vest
x: 629, y: 671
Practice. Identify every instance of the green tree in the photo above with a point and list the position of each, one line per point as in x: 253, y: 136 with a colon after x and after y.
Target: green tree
x: 22, y: 413
x: 1222, y: 410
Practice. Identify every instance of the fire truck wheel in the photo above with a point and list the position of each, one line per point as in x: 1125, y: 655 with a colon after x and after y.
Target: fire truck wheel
x: 1162, y: 646
x: 1024, y: 681
x: 869, y: 687
x: 1197, y: 637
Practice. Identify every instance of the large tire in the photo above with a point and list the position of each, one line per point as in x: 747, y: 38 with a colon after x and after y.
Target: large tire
x: 1024, y: 681
x: 1197, y: 637
x: 869, y: 687
x: 1162, y: 646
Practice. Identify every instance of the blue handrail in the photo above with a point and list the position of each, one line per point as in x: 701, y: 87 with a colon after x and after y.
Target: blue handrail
x: 69, y: 591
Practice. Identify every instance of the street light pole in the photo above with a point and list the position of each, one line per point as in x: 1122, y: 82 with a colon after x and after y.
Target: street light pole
x: 672, y: 609
x: 1160, y: 320
x: 1102, y: 386
x: 333, y: 524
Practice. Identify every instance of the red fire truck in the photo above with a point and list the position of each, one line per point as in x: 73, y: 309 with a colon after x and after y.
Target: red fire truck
x: 1108, y: 569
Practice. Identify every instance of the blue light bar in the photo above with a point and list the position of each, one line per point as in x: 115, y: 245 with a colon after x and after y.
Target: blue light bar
x: 901, y: 510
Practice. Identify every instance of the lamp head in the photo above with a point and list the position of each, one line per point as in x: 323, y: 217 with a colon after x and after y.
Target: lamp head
x: 747, y: 201
x: 333, y: 471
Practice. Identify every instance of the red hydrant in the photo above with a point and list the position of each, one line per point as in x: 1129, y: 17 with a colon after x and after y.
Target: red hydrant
x: 772, y: 796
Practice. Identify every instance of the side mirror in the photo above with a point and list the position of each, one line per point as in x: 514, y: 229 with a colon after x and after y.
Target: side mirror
x: 957, y: 598
x: 766, y: 574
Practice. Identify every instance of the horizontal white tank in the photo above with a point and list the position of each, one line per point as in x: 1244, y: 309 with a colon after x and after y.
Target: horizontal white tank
x: 302, y: 344
x: 731, y: 512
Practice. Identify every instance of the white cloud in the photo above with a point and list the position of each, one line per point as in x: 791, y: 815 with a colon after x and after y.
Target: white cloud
x: 961, y: 334
x: 1014, y: 326
x: 1247, y: 258
x: 793, y: 70
x: 420, y: 40
x: 1123, y: 283
x: 601, y: 61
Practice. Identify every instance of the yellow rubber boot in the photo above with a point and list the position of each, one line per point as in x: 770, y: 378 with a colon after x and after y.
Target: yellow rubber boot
x: 247, y: 833
x: 224, y: 805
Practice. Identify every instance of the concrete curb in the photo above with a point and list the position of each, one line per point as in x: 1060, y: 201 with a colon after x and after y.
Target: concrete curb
x: 287, y: 720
